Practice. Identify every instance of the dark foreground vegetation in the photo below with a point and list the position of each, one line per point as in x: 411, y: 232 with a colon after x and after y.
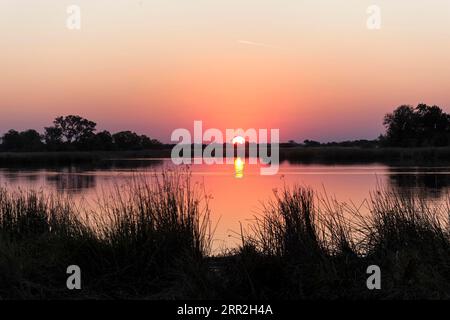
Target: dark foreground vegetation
x: 151, y: 239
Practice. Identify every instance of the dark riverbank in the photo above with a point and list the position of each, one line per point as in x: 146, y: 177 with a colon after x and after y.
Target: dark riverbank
x: 323, y: 155
x: 329, y: 155
x: 75, y: 157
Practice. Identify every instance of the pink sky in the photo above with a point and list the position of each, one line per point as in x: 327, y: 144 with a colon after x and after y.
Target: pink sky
x: 310, y: 68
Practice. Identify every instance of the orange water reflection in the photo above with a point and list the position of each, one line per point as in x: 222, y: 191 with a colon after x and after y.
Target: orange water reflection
x: 239, y: 168
x: 237, y: 196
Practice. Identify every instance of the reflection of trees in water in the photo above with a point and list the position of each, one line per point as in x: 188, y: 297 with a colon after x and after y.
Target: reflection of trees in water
x: 431, y: 183
x: 78, y: 179
x: 19, y: 176
x: 73, y: 182
x: 71, y: 179
x: 130, y: 164
x: 11, y: 176
x: 75, y: 178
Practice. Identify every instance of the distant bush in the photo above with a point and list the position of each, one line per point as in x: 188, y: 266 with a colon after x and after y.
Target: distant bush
x: 29, y: 140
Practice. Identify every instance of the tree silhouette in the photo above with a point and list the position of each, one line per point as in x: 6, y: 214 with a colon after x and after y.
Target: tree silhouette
x: 311, y: 143
x: 433, y: 125
x: 29, y: 140
x: 103, y: 141
x: 53, y: 138
x: 421, y: 126
x: 75, y: 133
x: 74, y: 128
x: 11, y: 141
x: 127, y: 140
x: 401, y: 126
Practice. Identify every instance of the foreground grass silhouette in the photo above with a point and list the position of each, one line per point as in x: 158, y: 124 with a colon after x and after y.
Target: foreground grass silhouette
x: 151, y: 239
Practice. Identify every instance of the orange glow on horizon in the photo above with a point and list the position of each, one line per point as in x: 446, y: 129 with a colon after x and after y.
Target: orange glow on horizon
x: 305, y: 67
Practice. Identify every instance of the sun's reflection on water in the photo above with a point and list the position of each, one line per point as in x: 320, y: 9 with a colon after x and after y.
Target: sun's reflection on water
x: 239, y: 168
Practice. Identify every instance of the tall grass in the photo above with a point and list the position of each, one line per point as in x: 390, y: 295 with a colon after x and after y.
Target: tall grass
x: 26, y: 214
x: 409, y: 237
x: 309, y: 246
x: 151, y: 238
x: 154, y: 231
x: 145, y: 239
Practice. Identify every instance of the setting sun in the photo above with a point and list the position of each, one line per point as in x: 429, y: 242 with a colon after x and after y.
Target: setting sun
x: 238, y: 140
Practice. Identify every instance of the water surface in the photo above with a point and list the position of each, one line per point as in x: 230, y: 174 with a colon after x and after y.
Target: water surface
x: 237, y: 191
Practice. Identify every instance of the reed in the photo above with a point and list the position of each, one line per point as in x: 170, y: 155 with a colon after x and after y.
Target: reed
x: 306, y: 246
x: 136, y: 243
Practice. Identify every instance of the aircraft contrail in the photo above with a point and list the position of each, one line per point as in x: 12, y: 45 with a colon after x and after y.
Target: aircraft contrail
x: 259, y: 44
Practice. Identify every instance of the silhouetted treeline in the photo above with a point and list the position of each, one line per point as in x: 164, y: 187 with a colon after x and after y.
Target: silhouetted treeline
x: 74, y: 133
x: 349, y: 143
x: 406, y: 126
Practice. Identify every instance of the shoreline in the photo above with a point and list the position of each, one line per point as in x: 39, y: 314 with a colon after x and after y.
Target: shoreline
x: 307, y: 155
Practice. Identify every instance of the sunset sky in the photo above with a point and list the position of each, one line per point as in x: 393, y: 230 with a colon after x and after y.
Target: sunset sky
x: 308, y: 67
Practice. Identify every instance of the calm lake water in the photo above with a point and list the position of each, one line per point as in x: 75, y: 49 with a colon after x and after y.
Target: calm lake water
x: 238, y: 190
